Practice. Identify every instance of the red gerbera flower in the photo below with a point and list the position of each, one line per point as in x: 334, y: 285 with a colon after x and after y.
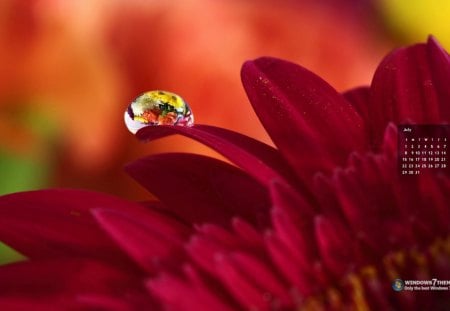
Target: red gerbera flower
x: 322, y: 222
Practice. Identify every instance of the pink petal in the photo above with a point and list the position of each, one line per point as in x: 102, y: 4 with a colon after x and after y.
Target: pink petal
x: 411, y: 84
x: 200, y: 189
x: 257, y: 159
x: 150, y: 242
x: 55, y: 223
x: 314, y: 127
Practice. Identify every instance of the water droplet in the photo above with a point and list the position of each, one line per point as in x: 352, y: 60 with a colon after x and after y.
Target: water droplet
x: 157, y: 108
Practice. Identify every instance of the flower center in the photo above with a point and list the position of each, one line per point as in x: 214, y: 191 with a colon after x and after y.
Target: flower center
x: 371, y: 284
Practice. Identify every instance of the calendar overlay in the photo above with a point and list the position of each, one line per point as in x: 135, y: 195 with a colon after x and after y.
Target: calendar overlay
x: 423, y: 147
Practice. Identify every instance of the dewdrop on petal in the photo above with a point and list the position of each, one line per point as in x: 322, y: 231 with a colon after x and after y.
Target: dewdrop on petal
x: 157, y: 108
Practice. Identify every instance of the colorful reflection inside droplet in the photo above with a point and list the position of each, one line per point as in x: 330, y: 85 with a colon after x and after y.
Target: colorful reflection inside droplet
x: 157, y: 108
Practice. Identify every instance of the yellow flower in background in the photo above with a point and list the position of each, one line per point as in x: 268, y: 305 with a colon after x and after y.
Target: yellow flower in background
x: 415, y: 19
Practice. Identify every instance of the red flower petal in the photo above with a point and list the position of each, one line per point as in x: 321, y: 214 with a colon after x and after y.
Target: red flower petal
x: 360, y: 99
x: 189, y: 294
x: 426, y: 211
x: 313, y: 126
x: 262, y: 276
x: 55, y: 223
x: 110, y: 303
x: 60, y: 284
x: 440, y: 69
x: 257, y: 159
x: 247, y: 232
x: 294, y: 274
x: 411, y: 84
x: 335, y: 245
x: 152, y: 242
x: 292, y: 220
x: 201, y: 189
x: 390, y: 141
x: 240, y: 286
x: 213, y: 240
x: 202, y: 251
x: 365, y: 194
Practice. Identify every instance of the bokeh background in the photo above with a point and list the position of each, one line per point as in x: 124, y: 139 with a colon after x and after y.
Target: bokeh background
x: 68, y: 70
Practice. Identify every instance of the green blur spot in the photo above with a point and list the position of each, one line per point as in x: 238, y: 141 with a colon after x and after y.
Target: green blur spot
x: 20, y: 173
x: 9, y: 255
x: 33, y: 170
x: 41, y: 122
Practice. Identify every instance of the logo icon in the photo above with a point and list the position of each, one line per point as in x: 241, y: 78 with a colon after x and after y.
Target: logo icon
x: 398, y: 285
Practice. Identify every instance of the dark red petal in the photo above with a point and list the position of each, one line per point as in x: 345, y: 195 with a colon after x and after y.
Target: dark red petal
x: 314, y: 127
x: 59, y: 284
x: 291, y: 201
x: 366, y: 196
x: 265, y: 153
x: 200, y: 189
x: 411, y: 83
x: 149, y: 241
x: 441, y: 202
x: 335, y: 245
x: 365, y: 205
x: 292, y: 220
x: 202, y: 251
x: 212, y: 240
x: 257, y: 159
x: 390, y: 141
x: 104, y: 302
x: 189, y: 294
x: 360, y: 99
x: 242, y: 288
x: 247, y: 232
x: 261, y: 275
x: 219, y: 236
x: 305, y: 281
x: 58, y: 222
x: 440, y: 70
x: 427, y: 208
x: 21, y: 304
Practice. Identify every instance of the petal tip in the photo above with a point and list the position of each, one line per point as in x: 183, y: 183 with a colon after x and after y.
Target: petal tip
x: 433, y: 40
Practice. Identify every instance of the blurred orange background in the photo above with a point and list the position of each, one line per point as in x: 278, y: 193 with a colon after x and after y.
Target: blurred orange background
x: 70, y: 68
